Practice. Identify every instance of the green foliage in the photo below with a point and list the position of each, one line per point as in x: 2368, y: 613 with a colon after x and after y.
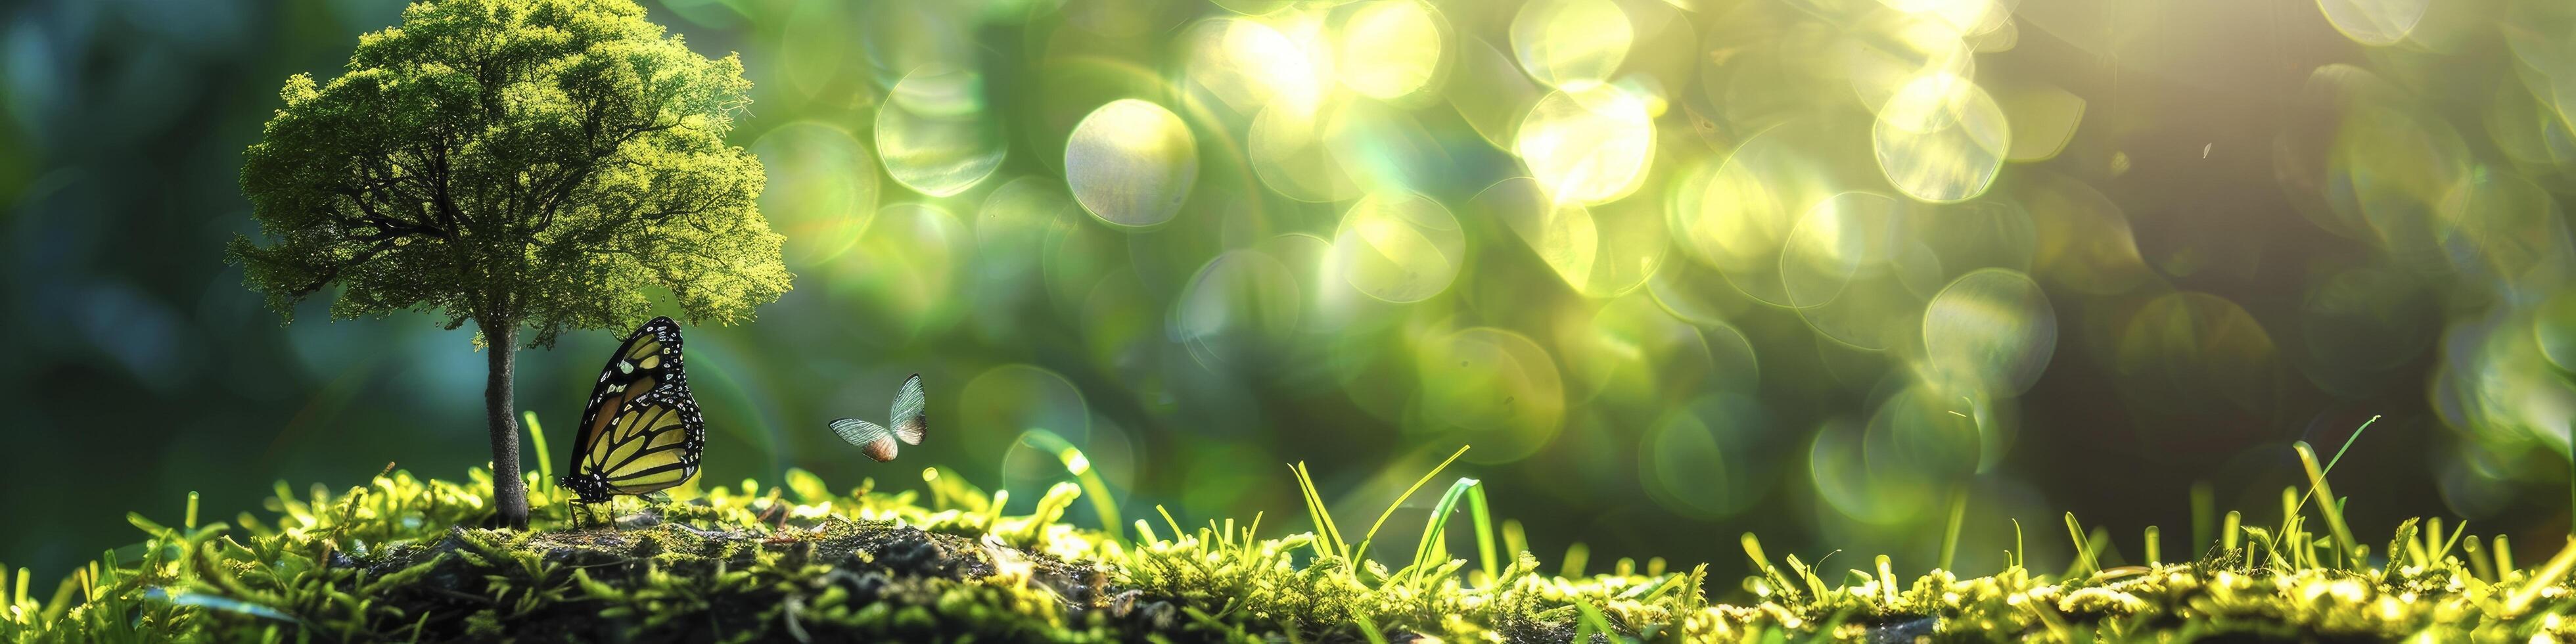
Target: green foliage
x: 388, y: 561
x: 547, y: 162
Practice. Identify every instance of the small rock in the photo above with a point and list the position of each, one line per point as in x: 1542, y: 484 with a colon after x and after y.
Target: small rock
x: 1903, y: 632
x: 644, y: 519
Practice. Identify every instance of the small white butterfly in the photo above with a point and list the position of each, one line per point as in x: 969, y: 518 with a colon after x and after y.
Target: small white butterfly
x: 909, y: 419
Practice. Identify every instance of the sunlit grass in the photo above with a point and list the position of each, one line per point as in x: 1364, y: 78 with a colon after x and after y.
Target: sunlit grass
x: 400, y: 559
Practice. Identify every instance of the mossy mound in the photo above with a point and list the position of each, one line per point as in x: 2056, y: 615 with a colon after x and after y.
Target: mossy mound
x: 395, y: 561
x: 834, y: 580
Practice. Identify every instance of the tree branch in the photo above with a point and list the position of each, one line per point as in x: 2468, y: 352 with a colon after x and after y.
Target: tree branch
x: 332, y: 271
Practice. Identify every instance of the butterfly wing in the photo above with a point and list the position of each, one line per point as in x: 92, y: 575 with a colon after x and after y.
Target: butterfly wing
x: 871, y: 438
x: 648, y: 360
x: 910, y: 416
x: 651, y: 444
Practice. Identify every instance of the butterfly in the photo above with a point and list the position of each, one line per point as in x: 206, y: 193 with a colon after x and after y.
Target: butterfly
x: 642, y: 431
x: 908, y: 417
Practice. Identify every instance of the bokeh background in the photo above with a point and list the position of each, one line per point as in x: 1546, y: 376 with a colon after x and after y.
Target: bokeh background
x: 1678, y: 269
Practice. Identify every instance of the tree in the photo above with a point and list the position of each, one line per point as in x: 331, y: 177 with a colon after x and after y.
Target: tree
x: 521, y: 164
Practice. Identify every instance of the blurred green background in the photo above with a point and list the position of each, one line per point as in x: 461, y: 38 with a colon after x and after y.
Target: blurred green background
x: 1678, y: 269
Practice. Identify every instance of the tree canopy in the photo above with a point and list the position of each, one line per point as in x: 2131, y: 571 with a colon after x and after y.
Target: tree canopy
x: 546, y: 163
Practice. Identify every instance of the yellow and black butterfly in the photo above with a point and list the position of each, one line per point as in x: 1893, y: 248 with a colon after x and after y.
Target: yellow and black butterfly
x: 909, y: 419
x: 642, y: 431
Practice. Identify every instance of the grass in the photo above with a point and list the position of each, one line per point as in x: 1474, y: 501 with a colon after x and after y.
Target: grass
x: 399, y: 559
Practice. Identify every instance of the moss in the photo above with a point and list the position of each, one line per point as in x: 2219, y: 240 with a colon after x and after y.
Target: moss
x: 400, y: 559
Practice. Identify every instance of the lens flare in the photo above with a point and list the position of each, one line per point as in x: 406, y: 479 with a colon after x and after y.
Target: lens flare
x: 1246, y: 64
x: 2043, y: 119
x: 1992, y: 326
x: 1391, y: 49
x: 1887, y: 51
x: 822, y: 188
x: 1491, y: 94
x: 1571, y: 44
x: 2375, y: 22
x: 1291, y: 154
x: 905, y: 271
x: 1941, y: 139
x: 1238, y: 312
x: 1131, y: 163
x: 1587, y: 148
x: 1494, y: 388
x: 1736, y: 218
x: 1398, y: 247
x: 1710, y: 458
x: 934, y: 133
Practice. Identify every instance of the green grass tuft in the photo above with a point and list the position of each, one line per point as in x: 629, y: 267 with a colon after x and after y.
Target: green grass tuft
x: 401, y: 558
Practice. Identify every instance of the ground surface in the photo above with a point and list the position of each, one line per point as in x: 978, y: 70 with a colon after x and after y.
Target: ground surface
x: 396, y: 561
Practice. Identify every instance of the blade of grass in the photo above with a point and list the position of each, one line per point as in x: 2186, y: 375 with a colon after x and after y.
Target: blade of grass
x: 2432, y: 540
x: 1252, y: 533
x: 1950, y: 535
x: 1168, y: 520
x: 1327, y: 538
x: 2155, y: 547
x: 1593, y: 620
x: 537, y: 439
x: 2083, y: 562
x: 1368, y: 629
x: 2348, y: 441
x: 2503, y: 546
x: 1435, y: 528
x: 2453, y: 542
x: 1079, y: 466
x: 2020, y: 557
x: 2477, y: 557
x: 2228, y: 532
x: 2548, y: 576
x: 1484, y: 533
x: 2330, y: 463
x: 1399, y: 500
x: 1753, y: 549
x: 1886, y: 581
x: 2334, y: 511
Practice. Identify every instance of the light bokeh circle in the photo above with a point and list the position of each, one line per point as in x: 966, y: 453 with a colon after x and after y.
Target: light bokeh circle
x: 1941, y: 138
x: 934, y: 132
x: 1495, y: 388
x: 1587, y: 148
x: 822, y: 188
x: 1991, y: 326
x: 1131, y: 163
x: 1398, y: 247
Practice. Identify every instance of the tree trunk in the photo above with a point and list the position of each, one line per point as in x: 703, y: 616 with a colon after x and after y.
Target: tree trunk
x: 509, y: 485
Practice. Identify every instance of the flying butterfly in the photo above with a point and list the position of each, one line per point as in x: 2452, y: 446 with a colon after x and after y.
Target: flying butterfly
x: 642, y: 431
x: 909, y: 419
